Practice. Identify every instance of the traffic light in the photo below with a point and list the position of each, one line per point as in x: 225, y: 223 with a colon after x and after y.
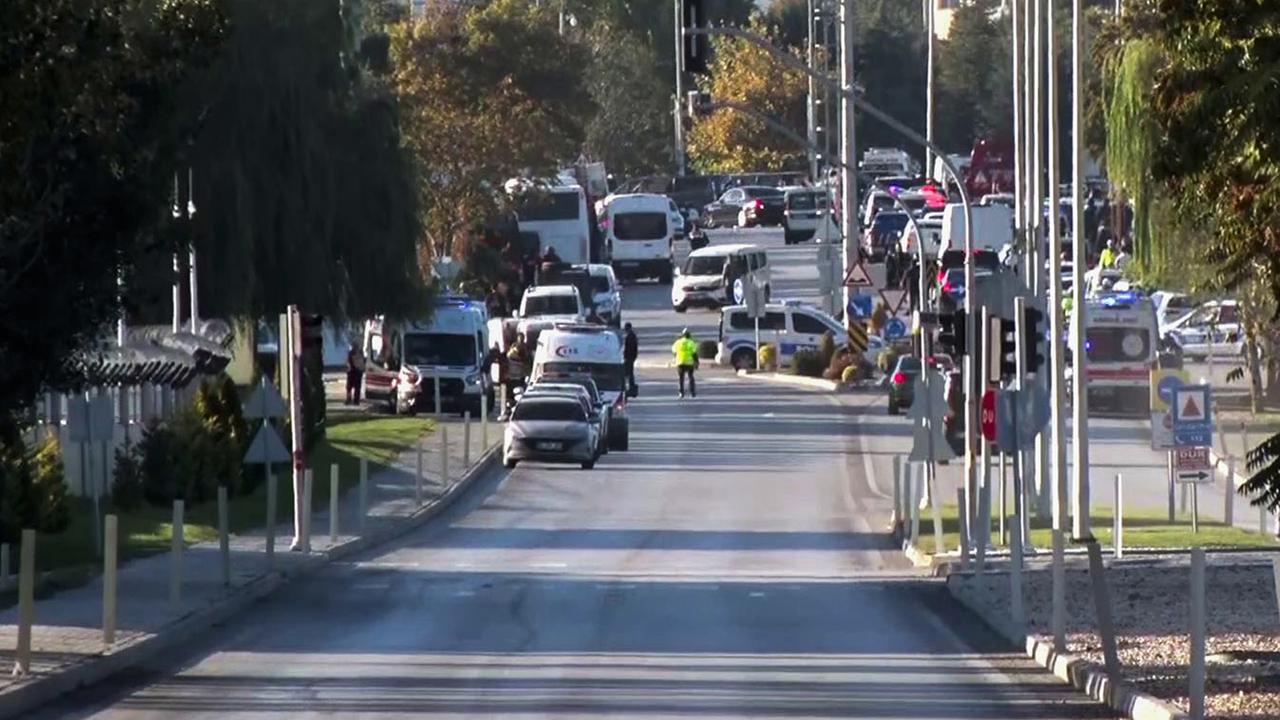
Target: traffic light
x: 951, y: 334
x: 699, y: 103
x: 1004, y: 349
x: 697, y: 48
x: 1035, y: 352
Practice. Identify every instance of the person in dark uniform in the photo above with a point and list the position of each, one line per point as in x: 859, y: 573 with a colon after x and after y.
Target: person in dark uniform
x: 630, y: 350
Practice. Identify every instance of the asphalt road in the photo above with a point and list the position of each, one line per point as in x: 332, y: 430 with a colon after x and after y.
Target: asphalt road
x: 730, y: 565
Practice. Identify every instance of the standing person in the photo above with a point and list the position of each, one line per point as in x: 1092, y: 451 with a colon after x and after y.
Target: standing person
x: 498, y: 302
x: 1108, y: 257
x: 517, y: 367
x: 355, y: 373
x: 630, y: 350
x: 686, y: 353
x: 1124, y: 257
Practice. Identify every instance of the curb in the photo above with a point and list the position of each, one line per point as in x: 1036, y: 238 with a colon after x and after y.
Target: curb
x: 1082, y: 674
x: 796, y: 380
x: 45, y: 689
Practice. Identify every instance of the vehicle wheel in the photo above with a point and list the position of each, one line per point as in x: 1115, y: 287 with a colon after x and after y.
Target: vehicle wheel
x: 679, y: 308
x: 510, y: 464
x: 768, y: 293
x: 710, y: 222
x: 743, y: 359
x: 588, y: 464
x: 789, y: 238
x: 893, y: 408
x: 666, y: 276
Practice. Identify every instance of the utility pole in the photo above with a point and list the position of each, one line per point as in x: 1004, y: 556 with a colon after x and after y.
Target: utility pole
x: 848, y: 147
x: 811, y: 109
x: 1080, y: 528
x: 191, y: 238
x: 677, y: 108
x: 177, y: 262
x: 928, y: 94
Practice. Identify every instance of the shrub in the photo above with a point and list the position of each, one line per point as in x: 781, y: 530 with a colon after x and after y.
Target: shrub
x: 827, y: 348
x: 49, y: 485
x: 222, y: 417
x: 807, y: 363
x: 767, y: 357
x: 850, y: 374
x: 183, y: 459
x: 886, y: 360
x: 126, y: 487
x: 707, y: 349
x: 157, y: 451
x: 879, y: 316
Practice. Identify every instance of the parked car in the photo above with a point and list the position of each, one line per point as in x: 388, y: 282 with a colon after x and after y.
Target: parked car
x: 764, y: 210
x: 550, y: 429
x: 804, y: 211
x: 902, y: 383
x: 597, y: 414
x: 725, y: 210
x: 1215, y: 326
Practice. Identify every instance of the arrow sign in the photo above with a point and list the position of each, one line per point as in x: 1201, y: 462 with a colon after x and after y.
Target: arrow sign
x: 1194, y: 476
x: 264, y: 402
x: 266, y: 447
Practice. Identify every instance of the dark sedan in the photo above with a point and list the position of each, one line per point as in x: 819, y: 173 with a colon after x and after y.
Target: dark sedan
x: 725, y: 210
x: 902, y: 383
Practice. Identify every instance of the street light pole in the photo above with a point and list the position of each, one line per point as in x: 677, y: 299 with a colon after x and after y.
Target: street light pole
x: 1081, y: 529
x: 677, y: 113
x: 191, y: 238
x: 811, y: 109
x: 848, y: 148
x: 928, y: 92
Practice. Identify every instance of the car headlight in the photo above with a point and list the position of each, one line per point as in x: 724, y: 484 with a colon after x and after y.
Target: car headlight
x: 472, y: 379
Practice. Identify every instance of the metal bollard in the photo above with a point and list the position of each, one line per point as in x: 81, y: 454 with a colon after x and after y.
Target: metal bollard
x: 417, y: 481
x: 175, y: 555
x: 364, y: 492
x: 271, y: 520
x: 916, y: 495
x: 110, y: 531
x: 897, y: 492
x: 435, y: 385
x: 308, y: 490
x: 466, y: 440
x: 224, y: 538
x: 333, y: 504
x: 26, y: 601
x: 964, y: 529
x: 1229, y: 501
x: 1004, y: 491
x: 1117, y: 524
x: 1196, y: 674
x: 1102, y: 609
x: 1275, y: 579
x: 444, y: 457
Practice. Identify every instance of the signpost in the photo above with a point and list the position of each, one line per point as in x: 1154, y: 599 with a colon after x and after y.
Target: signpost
x: 91, y: 420
x: 894, y: 329
x: 1191, y: 416
x: 1191, y: 464
x: 988, y: 415
x: 264, y: 404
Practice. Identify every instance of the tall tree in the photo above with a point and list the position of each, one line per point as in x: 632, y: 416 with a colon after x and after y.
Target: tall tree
x: 974, y: 95
x: 631, y: 131
x: 88, y: 137
x: 732, y: 141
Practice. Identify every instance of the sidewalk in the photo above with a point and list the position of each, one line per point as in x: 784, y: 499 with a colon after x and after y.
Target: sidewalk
x: 67, y: 646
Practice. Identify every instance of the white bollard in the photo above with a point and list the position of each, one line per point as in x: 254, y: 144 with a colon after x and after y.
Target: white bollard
x: 110, y: 531
x: 931, y: 480
x: 417, y: 481
x: 1003, y: 488
x: 175, y: 556
x: 444, y: 456
x: 224, y: 536
x: 898, y: 503
x: 1117, y: 523
x: 1229, y: 501
x: 364, y: 491
x: 1196, y: 674
x: 333, y: 504
x: 466, y: 440
x: 26, y: 601
x: 308, y: 489
x: 916, y: 487
x: 964, y: 529
x: 271, y: 519
x: 1275, y: 579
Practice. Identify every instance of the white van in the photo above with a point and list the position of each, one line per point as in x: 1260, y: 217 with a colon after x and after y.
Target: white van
x: 545, y: 305
x: 639, y: 235
x: 588, y: 350
x: 606, y: 293
x: 720, y: 275
x: 1121, y: 342
x: 789, y: 325
x: 406, y: 359
x: 557, y: 214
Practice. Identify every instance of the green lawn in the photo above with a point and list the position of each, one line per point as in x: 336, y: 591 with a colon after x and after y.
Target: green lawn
x: 1141, y: 529
x: 146, y: 530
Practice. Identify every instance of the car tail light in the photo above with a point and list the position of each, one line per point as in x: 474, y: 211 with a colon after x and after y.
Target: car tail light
x: 946, y: 287
x: 621, y: 402
x: 899, y: 378
x: 758, y: 204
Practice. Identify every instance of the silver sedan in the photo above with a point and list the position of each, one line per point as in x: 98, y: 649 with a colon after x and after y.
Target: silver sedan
x: 550, y: 429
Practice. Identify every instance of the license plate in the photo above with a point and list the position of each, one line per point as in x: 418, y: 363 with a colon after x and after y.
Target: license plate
x: 628, y: 263
x: 550, y: 445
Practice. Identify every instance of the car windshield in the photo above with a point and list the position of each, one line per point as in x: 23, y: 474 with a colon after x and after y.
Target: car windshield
x: 566, y: 410
x: 1117, y: 344
x: 608, y: 377
x: 439, y: 349
x: 909, y: 364
x: 640, y: 226
x: 600, y: 284
x: 806, y: 200
x: 549, y: 206
x: 889, y: 222
x: 550, y: 305
x: 569, y: 386
x: 763, y: 192
x: 704, y: 265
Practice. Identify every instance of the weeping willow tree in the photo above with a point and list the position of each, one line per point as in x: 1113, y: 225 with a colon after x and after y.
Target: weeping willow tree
x: 1132, y: 140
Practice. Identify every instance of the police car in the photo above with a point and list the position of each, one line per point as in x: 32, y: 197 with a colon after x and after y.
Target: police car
x: 788, y: 325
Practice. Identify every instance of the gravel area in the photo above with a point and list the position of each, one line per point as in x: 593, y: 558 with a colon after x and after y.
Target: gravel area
x: 1150, y: 602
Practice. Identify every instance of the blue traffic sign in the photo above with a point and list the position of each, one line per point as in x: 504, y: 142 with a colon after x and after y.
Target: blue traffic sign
x: 859, y: 306
x: 1166, y: 387
x: 1192, y: 415
x: 895, y: 328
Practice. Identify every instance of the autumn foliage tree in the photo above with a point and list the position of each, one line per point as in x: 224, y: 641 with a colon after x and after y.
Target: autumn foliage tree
x: 731, y: 141
x: 485, y: 94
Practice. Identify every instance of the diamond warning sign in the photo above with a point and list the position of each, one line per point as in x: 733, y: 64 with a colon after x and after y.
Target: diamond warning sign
x: 858, y: 276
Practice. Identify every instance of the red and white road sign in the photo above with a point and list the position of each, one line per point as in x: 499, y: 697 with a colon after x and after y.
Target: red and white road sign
x: 988, y: 415
x: 1191, y: 458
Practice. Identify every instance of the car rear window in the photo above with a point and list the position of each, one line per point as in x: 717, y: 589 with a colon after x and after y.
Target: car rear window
x: 547, y: 409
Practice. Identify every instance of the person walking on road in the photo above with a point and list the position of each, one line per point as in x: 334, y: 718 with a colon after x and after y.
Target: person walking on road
x: 630, y: 350
x: 355, y: 373
x: 686, y: 353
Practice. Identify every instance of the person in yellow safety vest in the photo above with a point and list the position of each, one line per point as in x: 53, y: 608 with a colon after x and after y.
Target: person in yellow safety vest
x: 1108, y: 258
x: 686, y: 352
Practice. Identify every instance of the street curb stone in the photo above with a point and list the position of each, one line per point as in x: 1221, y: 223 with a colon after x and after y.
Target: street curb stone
x: 796, y: 380
x: 32, y: 695
x: 1082, y: 674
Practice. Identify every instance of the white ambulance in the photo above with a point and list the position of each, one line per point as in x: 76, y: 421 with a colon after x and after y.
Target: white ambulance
x: 1121, y: 344
x: 594, y: 350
